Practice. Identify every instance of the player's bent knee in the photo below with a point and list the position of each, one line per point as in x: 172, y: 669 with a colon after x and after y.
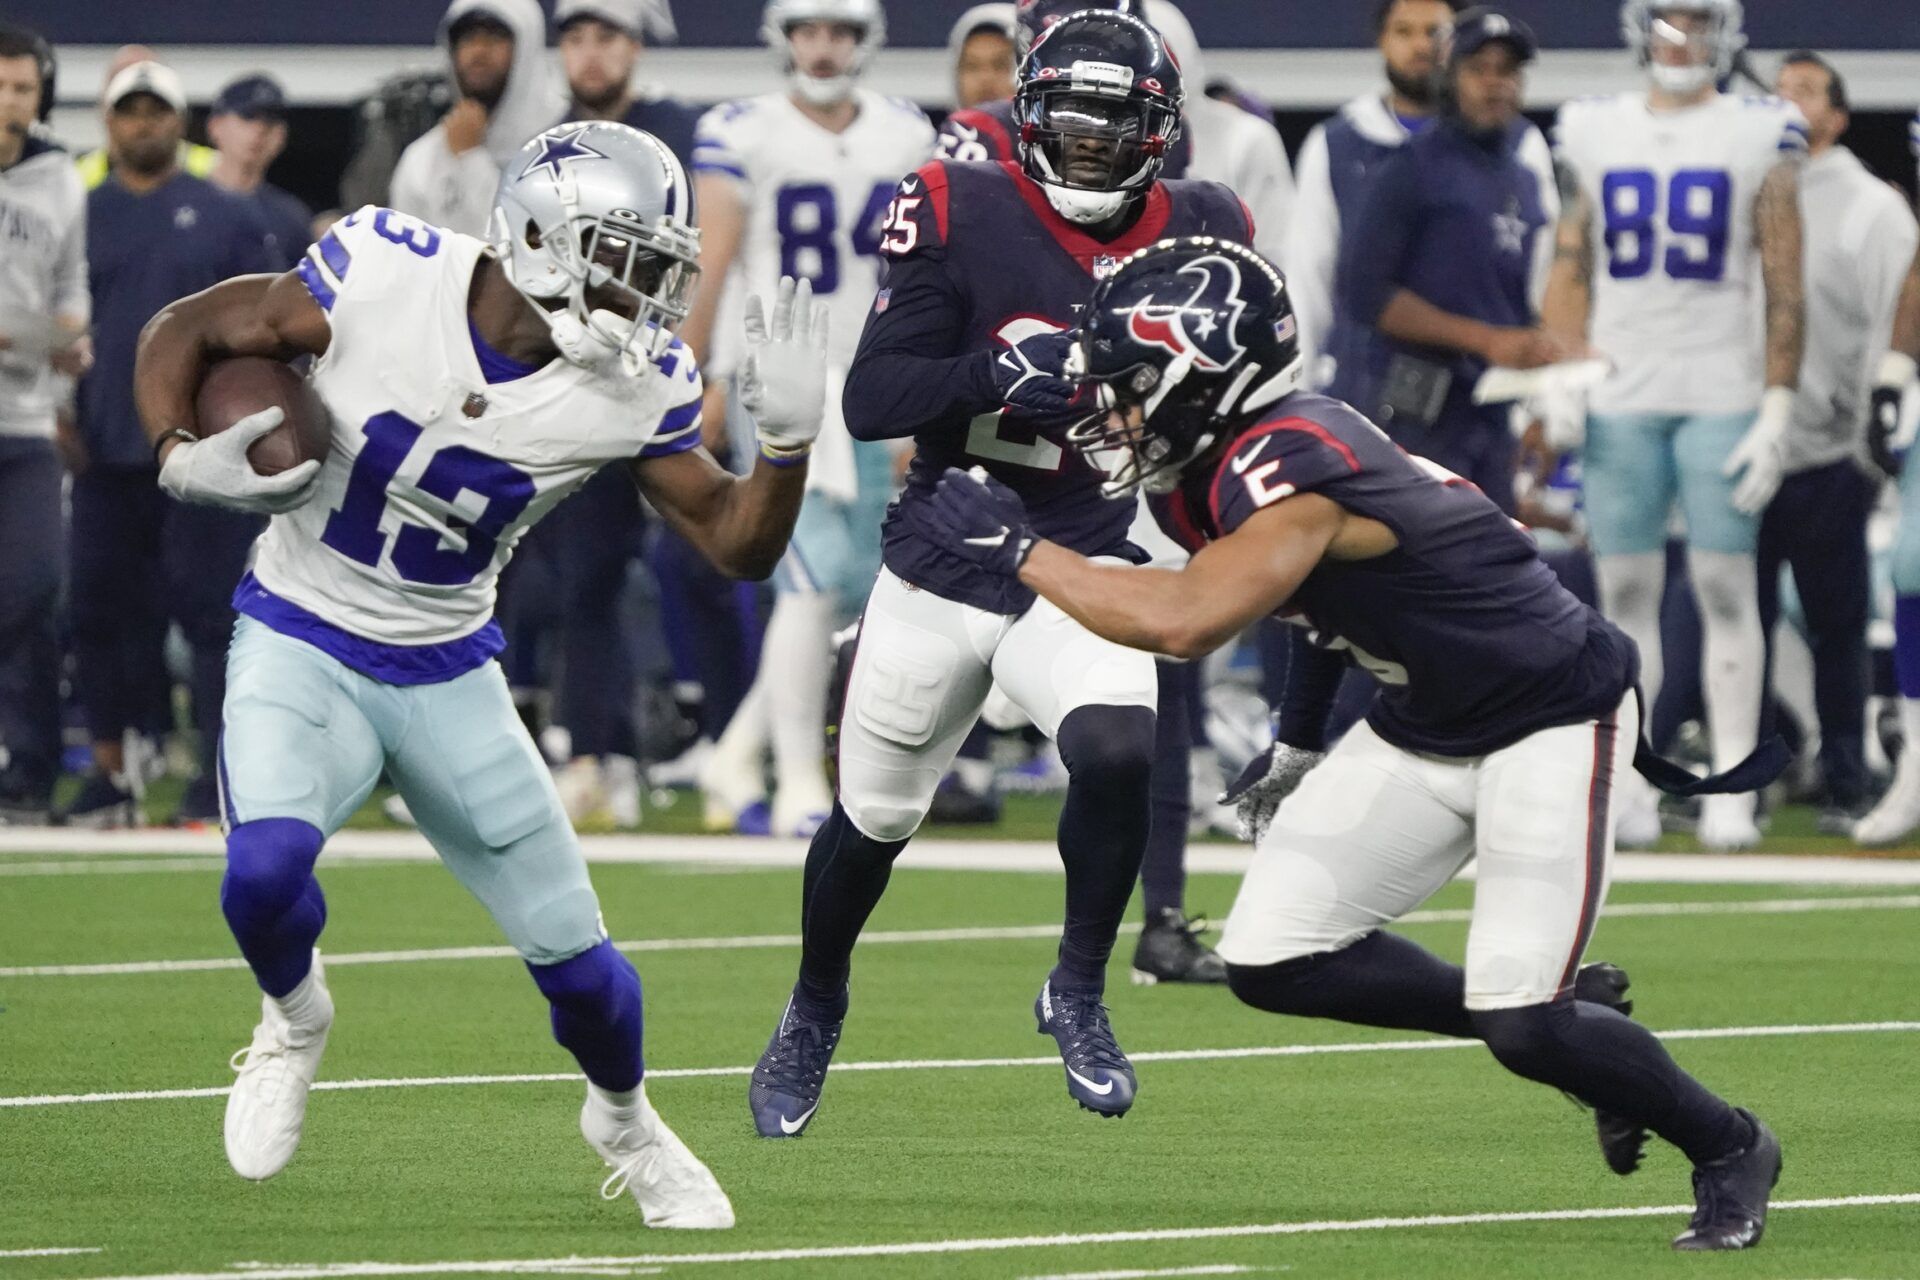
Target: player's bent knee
x: 1526, y: 1040
x: 269, y: 862
x: 882, y: 822
x: 1284, y: 986
x: 1108, y: 746
x: 555, y: 928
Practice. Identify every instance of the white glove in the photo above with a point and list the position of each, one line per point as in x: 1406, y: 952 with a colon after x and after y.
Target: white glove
x: 783, y: 382
x: 1267, y: 780
x: 215, y: 471
x: 1760, y: 459
x: 1562, y: 411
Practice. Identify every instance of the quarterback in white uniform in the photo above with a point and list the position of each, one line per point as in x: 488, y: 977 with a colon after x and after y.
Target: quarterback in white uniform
x: 469, y: 387
x: 796, y: 184
x: 1680, y: 230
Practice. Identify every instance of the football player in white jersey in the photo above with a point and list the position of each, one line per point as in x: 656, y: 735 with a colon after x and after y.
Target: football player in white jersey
x: 1680, y: 229
x: 795, y: 184
x: 471, y: 385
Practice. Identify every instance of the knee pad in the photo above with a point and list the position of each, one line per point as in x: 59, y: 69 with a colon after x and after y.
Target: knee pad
x: 1527, y: 1041
x: 269, y: 864
x: 597, y: 981
x: 1108, y: 746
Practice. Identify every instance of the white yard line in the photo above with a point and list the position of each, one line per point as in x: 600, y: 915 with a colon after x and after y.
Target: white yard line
x: 945, y: 855
x: 51, y: 1253
x: 956, y: 1064
x: 996, y: 1244
x: 881, y: 937
x: 1223, y: 1269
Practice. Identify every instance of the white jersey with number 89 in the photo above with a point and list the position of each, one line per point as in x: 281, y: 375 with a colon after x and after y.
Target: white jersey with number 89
x: 1677, y: 297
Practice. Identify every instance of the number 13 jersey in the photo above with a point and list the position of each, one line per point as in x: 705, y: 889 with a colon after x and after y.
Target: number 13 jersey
x: 441, y: 458
x: 1677, y: 298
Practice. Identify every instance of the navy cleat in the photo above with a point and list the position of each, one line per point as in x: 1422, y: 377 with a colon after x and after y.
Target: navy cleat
x: 1622, y: 1141
x: 787, y: 1081
x: 1099, y: 1077
x: 1731, y: 1195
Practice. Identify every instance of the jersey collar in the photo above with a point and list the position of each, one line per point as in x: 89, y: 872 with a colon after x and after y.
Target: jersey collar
x: 1083, y: 248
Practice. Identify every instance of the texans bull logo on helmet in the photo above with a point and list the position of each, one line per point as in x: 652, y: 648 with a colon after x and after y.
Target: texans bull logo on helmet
x: 1200, y: 326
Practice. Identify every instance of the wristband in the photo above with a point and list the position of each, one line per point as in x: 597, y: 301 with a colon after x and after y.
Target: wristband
x: 178, y: 433
x: 784, y: 457
x: 1897, y: 369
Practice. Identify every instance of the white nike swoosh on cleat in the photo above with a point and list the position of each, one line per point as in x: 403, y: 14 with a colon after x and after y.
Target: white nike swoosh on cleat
x: 799, y: 1122
x: 1102, y: 1089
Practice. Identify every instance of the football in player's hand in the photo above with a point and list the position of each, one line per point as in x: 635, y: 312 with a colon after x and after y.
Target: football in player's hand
x: 244, y: 385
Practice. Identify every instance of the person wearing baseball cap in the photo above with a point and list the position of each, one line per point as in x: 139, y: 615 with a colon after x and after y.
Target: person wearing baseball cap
x: 248, y: 127
x: 600, y: 44
x: 1437, y: 281
x: 139, y: 560
x: 194, y: 158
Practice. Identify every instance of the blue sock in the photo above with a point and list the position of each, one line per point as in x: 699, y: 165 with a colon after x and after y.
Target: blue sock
x: 596, y: 1014
x: 271, y: 900
x: 1906, y: 645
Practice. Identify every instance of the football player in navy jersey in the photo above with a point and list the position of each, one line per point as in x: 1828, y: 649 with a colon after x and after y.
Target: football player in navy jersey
x: 1506, y: 714
x: 989, y: 132
x: 963, y: 352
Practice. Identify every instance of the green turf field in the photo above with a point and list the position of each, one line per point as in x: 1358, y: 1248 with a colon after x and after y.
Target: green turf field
x: 1309, y: 1164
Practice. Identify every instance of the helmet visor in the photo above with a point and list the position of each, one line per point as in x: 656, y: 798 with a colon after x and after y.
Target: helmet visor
x: 1093, y: 141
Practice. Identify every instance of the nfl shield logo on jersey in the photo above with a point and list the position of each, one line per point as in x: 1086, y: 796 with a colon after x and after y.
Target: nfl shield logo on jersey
x: 1103, y: 265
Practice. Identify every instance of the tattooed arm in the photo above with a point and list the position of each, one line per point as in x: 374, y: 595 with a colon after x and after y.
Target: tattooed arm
x: 1777, y: 228
x: 1569, y: 297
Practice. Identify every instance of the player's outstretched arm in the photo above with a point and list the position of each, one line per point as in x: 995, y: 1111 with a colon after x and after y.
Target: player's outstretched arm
x: 1777, y: 225
x: 1190, y: 612
x: 742, y: 524
x: 262, y: 315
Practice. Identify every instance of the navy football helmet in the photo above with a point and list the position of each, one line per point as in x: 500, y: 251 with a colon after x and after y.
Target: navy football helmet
x: 1097, y: 107
x: 1032, y: 18
x: 1195, y: 334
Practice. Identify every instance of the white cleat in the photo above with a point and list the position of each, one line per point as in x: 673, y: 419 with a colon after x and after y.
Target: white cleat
x: 674, y: 1190
x: 1898, y: 812
x: 1638, y: 826
x: 621, y: 775
x: 1726, y: 823
x: 583, y: 791
x: 268, y: 1104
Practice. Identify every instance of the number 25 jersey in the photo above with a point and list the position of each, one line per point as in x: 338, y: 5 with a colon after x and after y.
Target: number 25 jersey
x: 1677, y: 296
x: 435, y: 470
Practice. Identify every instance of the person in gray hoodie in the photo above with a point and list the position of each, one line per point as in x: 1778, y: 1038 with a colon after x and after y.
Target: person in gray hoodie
x: 507, y: 93
x: 44, y: 307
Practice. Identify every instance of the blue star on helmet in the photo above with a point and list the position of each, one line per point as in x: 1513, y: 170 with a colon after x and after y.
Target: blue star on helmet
x: 558, y: 148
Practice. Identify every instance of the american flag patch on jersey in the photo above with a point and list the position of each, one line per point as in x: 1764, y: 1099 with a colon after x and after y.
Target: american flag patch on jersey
x: 882, y: 300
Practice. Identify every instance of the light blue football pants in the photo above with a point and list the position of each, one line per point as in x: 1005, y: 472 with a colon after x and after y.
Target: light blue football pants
x: 1637, y: 464
x: 307, y: 737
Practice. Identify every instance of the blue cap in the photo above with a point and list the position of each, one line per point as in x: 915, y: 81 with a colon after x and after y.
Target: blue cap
x: 255, y: 97
x: 1476, y: 28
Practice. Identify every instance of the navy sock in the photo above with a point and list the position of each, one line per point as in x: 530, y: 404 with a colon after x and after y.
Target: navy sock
x: 271, y: 900
x: 1108, y: 752
x: 1614, y: 1064
x: 596, y: 1014
x: 1163, y: 868
x: 846, y: 873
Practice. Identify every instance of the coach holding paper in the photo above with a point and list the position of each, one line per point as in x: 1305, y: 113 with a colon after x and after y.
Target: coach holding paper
x: 1438, y: 280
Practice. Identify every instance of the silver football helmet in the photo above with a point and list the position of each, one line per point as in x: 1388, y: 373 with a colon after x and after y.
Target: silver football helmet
x: 781, y: 15
x: 1644, y: 25
x: 603, y: 209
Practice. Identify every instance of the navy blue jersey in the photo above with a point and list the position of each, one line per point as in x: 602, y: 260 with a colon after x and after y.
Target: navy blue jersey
x: 986, y: 132
x: 978, y: 261
x: 1475, y: 642
x: 1453, y: 219
x: 143, y: 252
